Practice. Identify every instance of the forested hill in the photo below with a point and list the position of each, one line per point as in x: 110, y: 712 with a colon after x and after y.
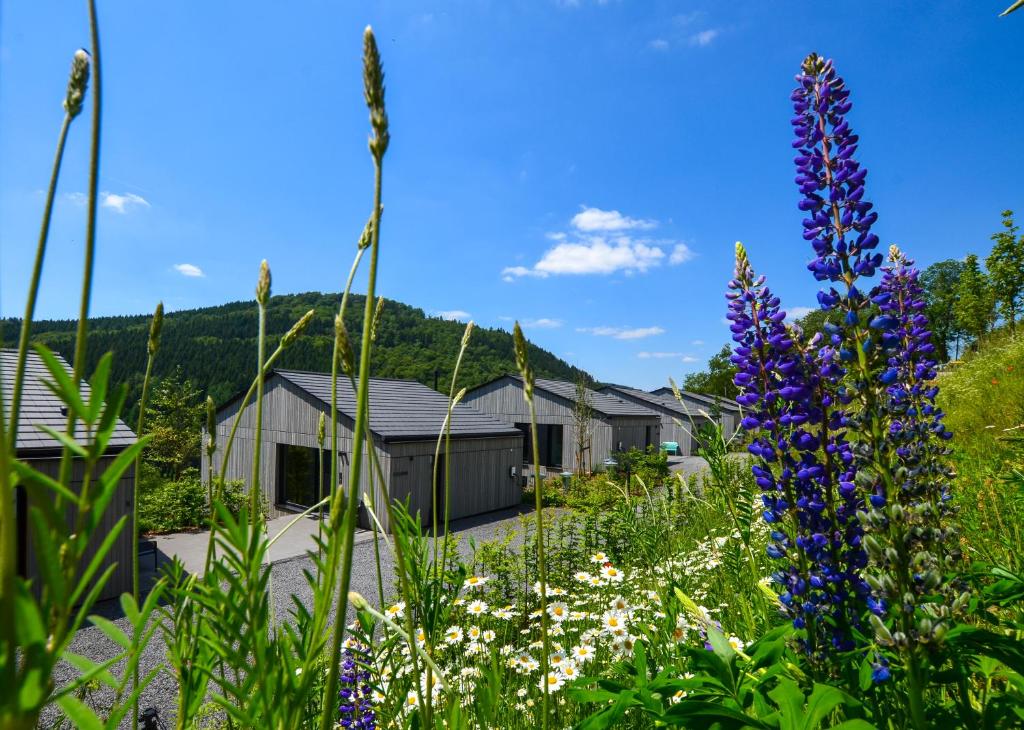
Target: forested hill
x: 215, y: 347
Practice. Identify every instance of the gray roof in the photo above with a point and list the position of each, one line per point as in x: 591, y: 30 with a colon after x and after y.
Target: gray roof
x: 721, y: 401
x: 602, y: 403
x: 655, y: 400
x: 40, y: 407
x: 402, y: 410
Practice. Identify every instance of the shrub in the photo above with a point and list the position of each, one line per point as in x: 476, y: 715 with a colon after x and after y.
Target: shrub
x: 166, y: 505
x: 650, y: 466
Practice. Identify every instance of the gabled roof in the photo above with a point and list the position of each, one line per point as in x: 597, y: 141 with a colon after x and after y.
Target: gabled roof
x: 401, y: 410
x: 40, y: 407
x: 655, y: 400
x: 711, y: 400
x: 602, y: 403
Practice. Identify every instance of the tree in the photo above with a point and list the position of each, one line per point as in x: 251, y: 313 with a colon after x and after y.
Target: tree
x: 975, y: 306
x: 717, y: 379
x: 174, y: 416
x: 1005, y: 264
x: 582, y: 418
x: 941, y: 285
x: 814, y: 321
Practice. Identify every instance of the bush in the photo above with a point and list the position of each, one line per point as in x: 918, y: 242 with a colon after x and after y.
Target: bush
x: 166, y: 505
x: 650, y: 466
x: 169, y: 505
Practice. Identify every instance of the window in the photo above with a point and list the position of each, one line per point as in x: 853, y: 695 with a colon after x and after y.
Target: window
x: 549, y: 444
x: 298, y: 474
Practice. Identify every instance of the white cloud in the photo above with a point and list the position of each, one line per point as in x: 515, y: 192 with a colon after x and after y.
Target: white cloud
x: 601, y: 242
x: 190, y: 270
x: 704, y: 38
x: 658, y: 44
x: 453, y: 314
x: 79, y: 199
x: 122, y: 203
x: 681, y: 253
x: 690, y: 358
x: 697, y: 343
x: 594, y: 219
x: 544, y: 323
x: 597, y: 256
x: 622, y: 333
x: 658, y: 355
x: 795, y: 313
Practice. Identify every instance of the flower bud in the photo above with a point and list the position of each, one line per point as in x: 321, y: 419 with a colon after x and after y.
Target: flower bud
x: 881, y: 631
x: 321, y: 429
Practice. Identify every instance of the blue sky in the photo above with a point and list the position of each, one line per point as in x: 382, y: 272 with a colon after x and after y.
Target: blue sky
x: 582, y: 166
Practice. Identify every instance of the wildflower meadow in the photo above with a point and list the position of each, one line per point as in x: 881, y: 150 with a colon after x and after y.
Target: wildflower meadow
x: 849, y: 558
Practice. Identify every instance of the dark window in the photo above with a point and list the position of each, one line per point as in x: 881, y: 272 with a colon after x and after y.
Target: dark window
x: 549, y: 444
x: 298, y: 470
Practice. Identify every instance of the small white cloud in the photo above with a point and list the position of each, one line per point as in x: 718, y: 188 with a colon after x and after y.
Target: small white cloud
x: 704, y: 38
x: 453, y: 314
x: 189, y: 270
x: 544, y: 323
x: 658, y: 44
x: 697, y: 343
x: 623, y: 333
x: 555, y: 235
x: 658, y: 355
x: 595, y: 219
x: 689, y: 358
x: 511, y: 273
x: 795, y: 313
x: 122, y: 203
x: 79, y: 199
x: 681, y: 253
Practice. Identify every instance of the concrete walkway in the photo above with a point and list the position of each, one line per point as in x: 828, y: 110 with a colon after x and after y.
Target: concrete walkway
x: 292, y: 541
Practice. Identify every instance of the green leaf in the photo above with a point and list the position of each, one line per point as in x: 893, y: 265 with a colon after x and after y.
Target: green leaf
x: 98, y: 386
x: 30, y: 477
x: 97, y: 560
x: 697, y: 711
x: 789, y: 698
x: 79, y: 714
x: 68, y: 441
x: 48, y: 557
x: 89, y: 669
x: 63, y: 385
x: 823, y: 700
x: 112, y: 631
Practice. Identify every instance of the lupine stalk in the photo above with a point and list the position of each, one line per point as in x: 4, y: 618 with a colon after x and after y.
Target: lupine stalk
x: 881, y: 337
x: 803, y: 467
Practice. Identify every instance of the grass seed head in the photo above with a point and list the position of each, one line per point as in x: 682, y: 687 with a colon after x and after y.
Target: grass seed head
x: 373, y: 84
x: 293, y: 334
x: 155, y: 326
x: 263, y: 283
x: 77, y: 83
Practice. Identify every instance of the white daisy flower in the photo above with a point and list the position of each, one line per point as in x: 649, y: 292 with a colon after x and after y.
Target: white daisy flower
x: 553, y: 681
x: 475, y: 581
x: 477, y: 608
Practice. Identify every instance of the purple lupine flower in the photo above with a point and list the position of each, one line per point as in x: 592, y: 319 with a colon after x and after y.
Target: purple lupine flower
x: 355, y: 704
x: 804, y: 463
x: 916, y: 435
x: 830, y: 179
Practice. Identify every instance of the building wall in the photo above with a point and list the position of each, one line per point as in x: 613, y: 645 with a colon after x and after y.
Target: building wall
x: 290, y: 416
x: 504, y: 399
x: 480, y: 467
x: 120, y: 506
x: 480, y: 475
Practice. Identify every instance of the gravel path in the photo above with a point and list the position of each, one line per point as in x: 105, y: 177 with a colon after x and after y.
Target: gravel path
x: 286, y: 579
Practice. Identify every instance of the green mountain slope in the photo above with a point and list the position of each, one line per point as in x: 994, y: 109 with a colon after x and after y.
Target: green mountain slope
x: 215, y: 347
